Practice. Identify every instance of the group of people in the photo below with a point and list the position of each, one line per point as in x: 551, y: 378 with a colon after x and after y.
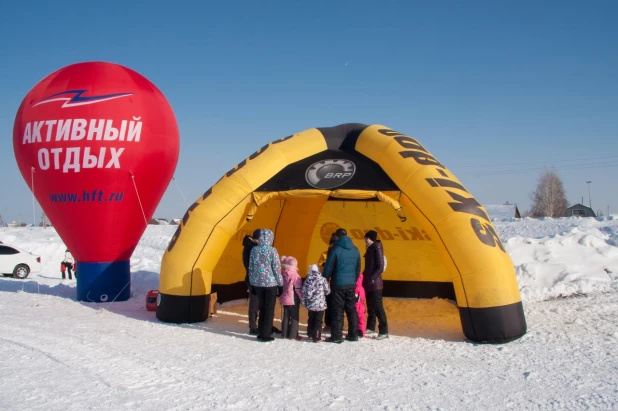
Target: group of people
x: 339, y: 289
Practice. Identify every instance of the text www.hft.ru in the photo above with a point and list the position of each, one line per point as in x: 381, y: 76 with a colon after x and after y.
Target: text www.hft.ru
x: 86, y: 197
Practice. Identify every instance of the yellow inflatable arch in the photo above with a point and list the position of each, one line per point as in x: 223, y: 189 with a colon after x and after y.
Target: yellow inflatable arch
x: 438, y: 240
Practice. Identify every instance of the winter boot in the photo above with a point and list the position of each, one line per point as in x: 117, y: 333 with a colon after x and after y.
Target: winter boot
x: 382, y: 337
x: 351, y: 337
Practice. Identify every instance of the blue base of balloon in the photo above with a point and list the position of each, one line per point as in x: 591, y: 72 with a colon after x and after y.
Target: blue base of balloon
x: 103, y: 282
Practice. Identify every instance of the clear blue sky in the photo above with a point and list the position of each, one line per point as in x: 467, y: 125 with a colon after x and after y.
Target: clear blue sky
x: 487, y: 86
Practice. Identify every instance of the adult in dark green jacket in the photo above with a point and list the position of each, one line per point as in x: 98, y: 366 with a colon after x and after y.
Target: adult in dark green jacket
x: 343, y: 265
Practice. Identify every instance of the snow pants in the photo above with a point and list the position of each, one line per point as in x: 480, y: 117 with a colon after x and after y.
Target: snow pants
x: 375, y: 308
x: 267, y: 297
x: 68, y: 267
x: 314, y: 325
x: 343, y: 300
x: 289, y: 325
x: 254, y: 306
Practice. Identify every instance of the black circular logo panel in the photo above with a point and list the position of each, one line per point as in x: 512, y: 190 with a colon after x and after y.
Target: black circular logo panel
x: 329, y: 174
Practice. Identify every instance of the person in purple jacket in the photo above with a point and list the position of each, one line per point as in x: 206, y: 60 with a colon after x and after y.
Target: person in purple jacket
x: 373, y: 285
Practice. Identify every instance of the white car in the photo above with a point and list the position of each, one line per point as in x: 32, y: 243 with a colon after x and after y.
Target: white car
x: 18, y: 263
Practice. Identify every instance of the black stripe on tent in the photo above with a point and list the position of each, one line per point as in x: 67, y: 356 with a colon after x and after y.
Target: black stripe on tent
x: 368, y: 175
x: 495, y: 325
x: 342, y: 137
x: 183, y: 308
x: 230, y: 292
x: 341, y: 145
x: 398, y: 289
x: 443, y: 182
x: 418, y: 289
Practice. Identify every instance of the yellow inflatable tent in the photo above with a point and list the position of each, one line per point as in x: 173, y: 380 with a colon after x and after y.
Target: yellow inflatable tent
x: 438, y: 240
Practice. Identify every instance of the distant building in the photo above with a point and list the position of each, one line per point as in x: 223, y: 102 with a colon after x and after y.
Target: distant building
x: 500, y: 211
x: 14, y: 224
x: 579, y: 210
x: 158, y: 221
x: 175, y: 221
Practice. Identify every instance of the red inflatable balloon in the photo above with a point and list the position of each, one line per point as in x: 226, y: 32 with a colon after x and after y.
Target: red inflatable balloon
x: 98, y: 144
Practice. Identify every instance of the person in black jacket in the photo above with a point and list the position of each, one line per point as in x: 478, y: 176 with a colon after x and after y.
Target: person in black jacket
x: 373, y: 285
x: 248, y: 243
x: 343, y: 265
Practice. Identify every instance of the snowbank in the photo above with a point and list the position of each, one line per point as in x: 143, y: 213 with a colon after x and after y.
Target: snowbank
x: 562, y: 257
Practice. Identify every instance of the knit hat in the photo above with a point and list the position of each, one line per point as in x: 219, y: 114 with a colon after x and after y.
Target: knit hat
x: 314, y: 268
x: 372, y: 235
x: 289, y: 262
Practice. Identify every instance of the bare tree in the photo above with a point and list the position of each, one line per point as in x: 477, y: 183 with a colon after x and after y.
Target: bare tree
x: 549, y: 199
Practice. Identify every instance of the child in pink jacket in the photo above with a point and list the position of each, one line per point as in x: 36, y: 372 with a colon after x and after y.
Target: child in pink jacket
x: 360, y: 306
x: 290, y: 297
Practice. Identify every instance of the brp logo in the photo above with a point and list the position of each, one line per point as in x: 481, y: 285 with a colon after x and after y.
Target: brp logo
x: 330, y: 173
x: 327, y: 230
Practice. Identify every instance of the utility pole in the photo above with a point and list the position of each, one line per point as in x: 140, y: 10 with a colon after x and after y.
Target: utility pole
x: 589, y: 201
x: 43, y: 220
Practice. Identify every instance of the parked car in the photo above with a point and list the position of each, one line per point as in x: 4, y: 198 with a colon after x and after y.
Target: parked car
x: 17, y: 262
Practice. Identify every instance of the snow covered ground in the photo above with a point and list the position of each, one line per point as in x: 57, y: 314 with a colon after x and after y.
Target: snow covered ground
x: 60, y: 354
